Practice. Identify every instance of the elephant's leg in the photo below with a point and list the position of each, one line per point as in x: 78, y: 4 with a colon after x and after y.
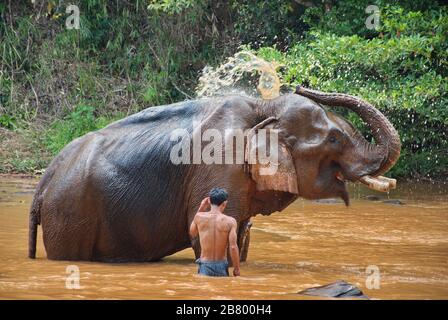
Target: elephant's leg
x: 244, y: 238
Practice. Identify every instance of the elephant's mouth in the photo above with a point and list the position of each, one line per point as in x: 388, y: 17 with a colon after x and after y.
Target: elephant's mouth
x: 342, y: 190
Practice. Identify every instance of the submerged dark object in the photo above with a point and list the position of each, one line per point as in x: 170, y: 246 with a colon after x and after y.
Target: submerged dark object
x: 373, y: 198
x: 387, y: 201
x: 394, y: 201
x: 328, y: 201
x: 338, y: 289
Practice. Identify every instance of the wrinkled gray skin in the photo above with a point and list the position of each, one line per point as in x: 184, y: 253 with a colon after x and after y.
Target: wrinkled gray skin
x: 114, y: 195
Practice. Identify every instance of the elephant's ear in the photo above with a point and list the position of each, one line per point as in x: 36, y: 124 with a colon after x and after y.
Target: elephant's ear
x: 275, y: 180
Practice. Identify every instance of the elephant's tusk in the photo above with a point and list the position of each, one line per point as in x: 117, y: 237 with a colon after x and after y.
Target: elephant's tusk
x: 378, y: 184
x: 392, y: 182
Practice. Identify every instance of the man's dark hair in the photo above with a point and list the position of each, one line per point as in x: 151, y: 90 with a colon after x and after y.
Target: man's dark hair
x: 218, y: 196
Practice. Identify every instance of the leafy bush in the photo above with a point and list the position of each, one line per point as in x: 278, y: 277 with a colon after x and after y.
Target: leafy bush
x: 172, y: 6
x: 348, y: 17
x: 7, y: 121
x: 76, y: 124
x: 268, y: 22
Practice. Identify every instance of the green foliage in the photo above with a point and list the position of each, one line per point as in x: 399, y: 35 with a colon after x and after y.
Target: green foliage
x: 172, y: 6
x: 348, y: 17
x: 403, y: 73
x: 7, y: 121
x: 81, y: 121
x: 267, y: 22
x: 19, y: 164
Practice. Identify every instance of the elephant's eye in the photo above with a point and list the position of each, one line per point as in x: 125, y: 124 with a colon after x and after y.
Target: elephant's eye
x: 333, y: 139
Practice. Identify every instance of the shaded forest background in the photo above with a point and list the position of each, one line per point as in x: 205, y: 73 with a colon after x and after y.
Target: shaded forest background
x: 57, y: 84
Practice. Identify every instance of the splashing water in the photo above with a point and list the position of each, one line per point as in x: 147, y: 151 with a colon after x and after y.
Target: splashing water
x: 223, y: 79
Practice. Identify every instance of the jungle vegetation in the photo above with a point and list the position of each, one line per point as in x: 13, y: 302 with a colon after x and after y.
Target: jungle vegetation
x: 56, y: 83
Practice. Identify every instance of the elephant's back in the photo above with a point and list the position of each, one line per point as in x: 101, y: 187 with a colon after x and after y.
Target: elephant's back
x: 128, y: 144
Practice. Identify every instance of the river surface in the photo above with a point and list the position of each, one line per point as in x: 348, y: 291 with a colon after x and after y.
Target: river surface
x: 390, y: 251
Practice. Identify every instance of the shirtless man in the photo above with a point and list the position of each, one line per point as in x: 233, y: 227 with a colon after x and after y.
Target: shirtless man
x: 217, y: 231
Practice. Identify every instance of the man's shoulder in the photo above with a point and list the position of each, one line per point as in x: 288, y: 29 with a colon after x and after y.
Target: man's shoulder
x: 200, y: 216
x: 229, y: 219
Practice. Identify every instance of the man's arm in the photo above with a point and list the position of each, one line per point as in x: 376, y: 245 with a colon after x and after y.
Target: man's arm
x: 233, y: 246
x: 205, y: 204
x: 194, y: 229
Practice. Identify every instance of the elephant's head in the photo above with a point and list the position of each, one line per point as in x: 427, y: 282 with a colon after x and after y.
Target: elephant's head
x: 319, y: 150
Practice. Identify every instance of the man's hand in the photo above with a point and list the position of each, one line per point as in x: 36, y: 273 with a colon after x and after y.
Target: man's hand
x: 205, y: 205
x: 236, y: 272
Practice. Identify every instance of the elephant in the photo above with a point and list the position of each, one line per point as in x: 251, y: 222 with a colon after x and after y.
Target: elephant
x: 115, y: 195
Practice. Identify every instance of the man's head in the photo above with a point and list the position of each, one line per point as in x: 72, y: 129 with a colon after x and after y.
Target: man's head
x: 218, y: 197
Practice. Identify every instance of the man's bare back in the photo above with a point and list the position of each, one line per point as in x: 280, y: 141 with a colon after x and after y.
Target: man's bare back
x: 217, y: 232
x: 214, y: 229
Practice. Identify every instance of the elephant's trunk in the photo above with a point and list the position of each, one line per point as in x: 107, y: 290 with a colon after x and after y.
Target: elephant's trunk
x: 387, y: 139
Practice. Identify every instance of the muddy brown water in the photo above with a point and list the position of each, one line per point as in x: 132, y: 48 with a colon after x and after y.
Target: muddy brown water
x: 306, y: 245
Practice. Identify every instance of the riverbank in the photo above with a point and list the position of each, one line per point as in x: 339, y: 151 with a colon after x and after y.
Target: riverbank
x: 22, y: 153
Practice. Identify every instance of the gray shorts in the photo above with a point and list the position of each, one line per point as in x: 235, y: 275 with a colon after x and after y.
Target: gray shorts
x: 213, y: 268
